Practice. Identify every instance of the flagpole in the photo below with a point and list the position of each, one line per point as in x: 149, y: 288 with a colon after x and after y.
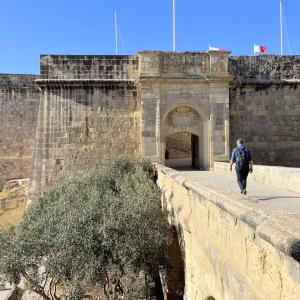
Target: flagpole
x: 116, y: 31
x: 281, y: 29
x: 174, y: 25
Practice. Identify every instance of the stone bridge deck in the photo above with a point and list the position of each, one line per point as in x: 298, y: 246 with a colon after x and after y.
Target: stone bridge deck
x: 236, y: 247
x: 265, y: 194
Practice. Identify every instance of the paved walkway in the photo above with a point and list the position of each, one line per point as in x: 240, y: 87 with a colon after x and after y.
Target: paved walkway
x: 265, y: 194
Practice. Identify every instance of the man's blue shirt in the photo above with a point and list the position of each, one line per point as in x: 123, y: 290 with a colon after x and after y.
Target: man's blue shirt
x: 235, y: 153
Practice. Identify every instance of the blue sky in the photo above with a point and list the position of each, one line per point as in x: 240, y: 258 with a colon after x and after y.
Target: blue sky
x: 33, y: 27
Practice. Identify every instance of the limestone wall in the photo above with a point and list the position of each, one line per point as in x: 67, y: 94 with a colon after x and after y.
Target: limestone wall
x: 82, y: 122
x: 19, y: 103
x: 13, y: 201
x: 179, y: 145
x: 265, y: 107
x: 233, y: 248
x: 195, y: 80
x: 89, y: 66
x: 282, y: 177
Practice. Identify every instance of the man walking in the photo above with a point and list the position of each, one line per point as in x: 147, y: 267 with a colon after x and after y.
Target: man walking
x: 241, y: 156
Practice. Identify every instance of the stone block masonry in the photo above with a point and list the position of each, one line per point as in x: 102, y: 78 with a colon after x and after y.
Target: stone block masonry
x: 265, y: 107
x: 233, y: 248
x: 83, y: 108
x: 19, y: 103
x: 82, y: 122
x: 89, y: 66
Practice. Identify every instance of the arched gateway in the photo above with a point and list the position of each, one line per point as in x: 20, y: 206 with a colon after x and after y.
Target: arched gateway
x: 152, y: 104
x: 185, y: 107
x: 183, y: 138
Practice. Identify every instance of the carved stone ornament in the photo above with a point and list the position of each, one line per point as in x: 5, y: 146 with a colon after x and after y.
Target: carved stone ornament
x: 184, y: 117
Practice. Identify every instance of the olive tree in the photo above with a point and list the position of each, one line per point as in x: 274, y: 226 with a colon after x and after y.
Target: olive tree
x: 103, y: 227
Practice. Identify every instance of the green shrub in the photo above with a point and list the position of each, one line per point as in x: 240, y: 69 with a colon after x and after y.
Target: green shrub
x: 87, y: 225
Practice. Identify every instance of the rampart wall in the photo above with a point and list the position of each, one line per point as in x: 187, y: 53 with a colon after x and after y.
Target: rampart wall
x: 19, y: 104
x: 265, y: 107
x: 89, y: 66
x: 89, y: 110
x: 92, y: 106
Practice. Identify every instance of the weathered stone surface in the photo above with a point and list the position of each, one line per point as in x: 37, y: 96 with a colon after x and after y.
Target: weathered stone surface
x: 13, y: 201
x: 89, y: 66
x: 265, y: 107
x: 81, y: 124
x: 265, y: 67
x: 19, y: 103
x: 93, y: 106
x: 233, y: 248
x: 171, y: 82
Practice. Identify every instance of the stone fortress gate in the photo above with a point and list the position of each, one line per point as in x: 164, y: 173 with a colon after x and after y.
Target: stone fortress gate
x: 97, y: 106
x: 177, y: 109
x: 185, y: 93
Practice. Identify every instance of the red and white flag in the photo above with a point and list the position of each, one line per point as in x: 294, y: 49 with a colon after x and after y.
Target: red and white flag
x: 260, y: 49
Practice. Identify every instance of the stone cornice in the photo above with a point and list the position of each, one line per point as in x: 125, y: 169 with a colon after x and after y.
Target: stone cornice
x: 265, y: 82
x: 42, y: 83
x: 184, y: 80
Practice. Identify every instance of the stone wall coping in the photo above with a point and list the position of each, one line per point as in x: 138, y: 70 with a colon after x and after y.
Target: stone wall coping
x: 17, y: 81
x: 87, y: 57
x: 190, y: 79
x: 289, y: 169
x: 282, y: 177
x: 18, y: 75
x: 59, y: 82
x: 239, y: 81
x: 184, y: 52
x: 264, y: 56
x: 278, y: 227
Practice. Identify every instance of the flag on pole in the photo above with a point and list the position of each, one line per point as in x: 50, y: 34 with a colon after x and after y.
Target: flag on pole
x: 260, y: 49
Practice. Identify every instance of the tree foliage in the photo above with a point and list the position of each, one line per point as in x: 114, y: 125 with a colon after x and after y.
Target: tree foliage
x: 104, y: 226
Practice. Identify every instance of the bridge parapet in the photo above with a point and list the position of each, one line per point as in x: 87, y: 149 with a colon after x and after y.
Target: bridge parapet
x: 282, y: 177
x: 233, y: 248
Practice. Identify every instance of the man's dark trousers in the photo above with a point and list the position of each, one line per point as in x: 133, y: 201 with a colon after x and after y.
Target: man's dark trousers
x: 242, y: 174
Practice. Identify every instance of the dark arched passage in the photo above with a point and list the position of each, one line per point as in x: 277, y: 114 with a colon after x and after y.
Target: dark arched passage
x: 182, y: 150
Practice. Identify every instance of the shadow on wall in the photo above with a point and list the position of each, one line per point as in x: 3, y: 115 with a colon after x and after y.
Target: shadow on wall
x: 175, y: 270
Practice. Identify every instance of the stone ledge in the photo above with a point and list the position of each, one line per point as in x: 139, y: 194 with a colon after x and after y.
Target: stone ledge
x: 264, y: 82
x: 278, y: 227
x: 81, y: 82
x: 186, y: 79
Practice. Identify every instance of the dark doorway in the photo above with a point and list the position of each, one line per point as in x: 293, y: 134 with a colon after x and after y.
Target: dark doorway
x: 182, y: 151
x: 195, y: 151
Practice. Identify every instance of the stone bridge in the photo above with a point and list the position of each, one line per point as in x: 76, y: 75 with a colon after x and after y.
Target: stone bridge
x: 229, y: 246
